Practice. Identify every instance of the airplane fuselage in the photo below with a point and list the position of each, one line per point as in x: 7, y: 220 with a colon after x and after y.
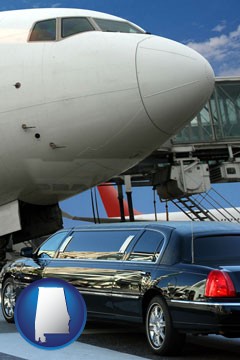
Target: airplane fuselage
x: 78, y: 110
x: 84, y: 96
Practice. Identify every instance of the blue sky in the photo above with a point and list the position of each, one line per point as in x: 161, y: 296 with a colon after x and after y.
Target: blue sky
x: 212, y: 27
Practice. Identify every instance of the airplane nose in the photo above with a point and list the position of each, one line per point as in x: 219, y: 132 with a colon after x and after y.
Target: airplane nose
x: 174, y: 82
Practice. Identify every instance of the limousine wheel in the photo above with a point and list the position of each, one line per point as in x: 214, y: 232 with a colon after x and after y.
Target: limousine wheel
x: 162, y: 337
x: 8, y: 300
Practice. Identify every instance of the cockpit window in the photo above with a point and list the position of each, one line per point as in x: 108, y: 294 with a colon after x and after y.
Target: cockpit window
x: 117, y: 26
x: 60, y: 28
x: 75, y: 25
x: 44, y: 31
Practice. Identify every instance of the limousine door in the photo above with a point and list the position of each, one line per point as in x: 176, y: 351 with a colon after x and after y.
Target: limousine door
x: 136, y: 275
x: 92, y: 279
x: 89, y: 261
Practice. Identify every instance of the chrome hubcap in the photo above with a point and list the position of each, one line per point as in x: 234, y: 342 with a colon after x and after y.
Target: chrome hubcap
x: 157, y: 326
x: 9, y: 299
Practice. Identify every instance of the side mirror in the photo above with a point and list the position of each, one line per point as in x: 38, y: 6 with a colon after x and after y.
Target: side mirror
x: 26, y: 252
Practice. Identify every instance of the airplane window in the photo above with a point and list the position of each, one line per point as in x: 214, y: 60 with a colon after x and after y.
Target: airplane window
x: 44, y: 31
x: 71, y: 26
x: 117, y: 26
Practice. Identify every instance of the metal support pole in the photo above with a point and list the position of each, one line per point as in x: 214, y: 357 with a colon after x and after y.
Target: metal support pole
x: 128, y: 185
x: 230, y: 152
x: 130, y: 206
x: 167, y: 212
x: 120, y: 199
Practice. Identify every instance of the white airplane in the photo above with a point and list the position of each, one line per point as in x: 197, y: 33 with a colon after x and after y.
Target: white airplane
x: 110, y: 202
x: 84, y: 96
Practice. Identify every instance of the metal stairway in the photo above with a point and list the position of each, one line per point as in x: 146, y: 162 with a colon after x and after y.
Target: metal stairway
x: 192, y: 209
x: 195, y: 207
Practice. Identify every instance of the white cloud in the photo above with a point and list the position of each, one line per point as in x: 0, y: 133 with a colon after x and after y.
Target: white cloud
x: 40, y: 4
x: 56, y: 5
x: 223, y: 51
x: 220, y: 27
x: 226, y: 70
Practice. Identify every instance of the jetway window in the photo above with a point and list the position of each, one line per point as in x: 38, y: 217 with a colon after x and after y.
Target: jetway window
x: 117, y: 26
x: 75, y: 25
x: 44, y: 31
x: 219, y: 120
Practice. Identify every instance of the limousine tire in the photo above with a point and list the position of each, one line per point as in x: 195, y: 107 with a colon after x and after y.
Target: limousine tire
x: 162, y: 337
x: 8, y: 299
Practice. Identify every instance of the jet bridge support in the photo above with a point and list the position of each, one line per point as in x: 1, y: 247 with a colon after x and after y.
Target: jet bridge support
x: 187, y: 177
x: 189, y: 189
x: 121, y: 203
x: 128, y: 186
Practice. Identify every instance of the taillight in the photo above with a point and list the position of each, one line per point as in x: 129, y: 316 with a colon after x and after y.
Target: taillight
x: 219, y: 284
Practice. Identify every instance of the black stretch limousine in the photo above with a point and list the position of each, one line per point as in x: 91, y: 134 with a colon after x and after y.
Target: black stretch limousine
x: 176, y: 277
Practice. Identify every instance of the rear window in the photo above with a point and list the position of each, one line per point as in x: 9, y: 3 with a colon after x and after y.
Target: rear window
x: 217, y: 249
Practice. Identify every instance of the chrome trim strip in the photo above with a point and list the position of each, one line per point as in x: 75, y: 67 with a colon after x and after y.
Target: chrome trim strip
x: 94, y: 293
x: 126, y: 296
x: 104, y: 260
x: 125, y: 244
x: 65, y: 243
x: 109, y: 294
x: 204, y: 303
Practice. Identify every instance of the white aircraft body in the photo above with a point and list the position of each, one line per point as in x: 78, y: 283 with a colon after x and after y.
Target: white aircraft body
x: 84, y: 96
x: 221, y: 214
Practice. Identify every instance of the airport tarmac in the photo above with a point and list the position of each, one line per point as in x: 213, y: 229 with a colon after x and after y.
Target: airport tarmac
x: 113, y: 342
x: 14, y: 347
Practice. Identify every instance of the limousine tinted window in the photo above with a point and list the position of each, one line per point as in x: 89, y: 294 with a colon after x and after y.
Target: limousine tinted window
x: 51, y: 245
x: 147, y: 247
x: 216, y: 249
x: 100, y: 245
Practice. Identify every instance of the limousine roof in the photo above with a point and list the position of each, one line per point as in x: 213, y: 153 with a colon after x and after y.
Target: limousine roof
x: 183, y: 228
